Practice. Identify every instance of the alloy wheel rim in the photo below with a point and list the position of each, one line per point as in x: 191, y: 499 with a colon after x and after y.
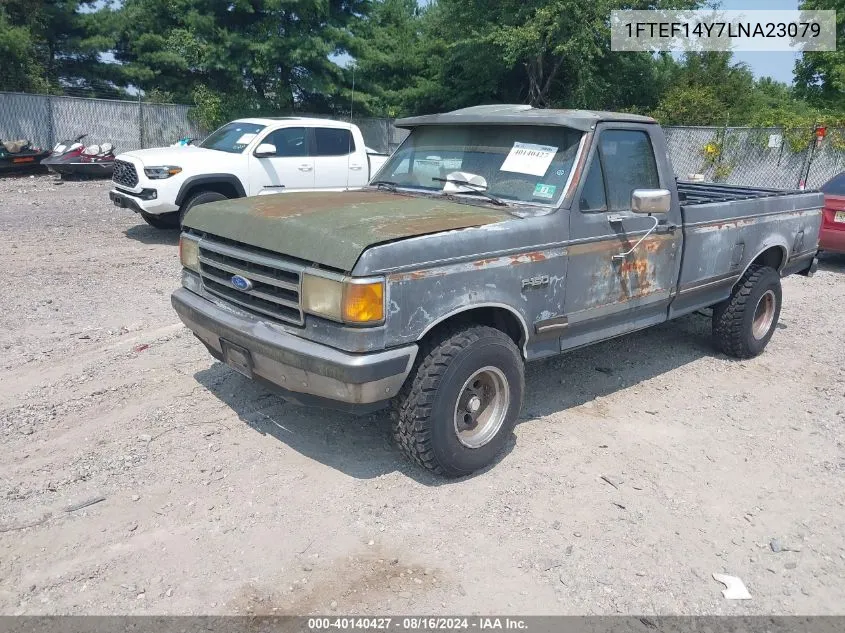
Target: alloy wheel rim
x: 482, y: 406
x: 764, y: 315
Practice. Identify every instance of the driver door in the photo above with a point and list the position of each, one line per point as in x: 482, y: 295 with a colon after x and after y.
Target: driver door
x: 609, y: 293
x: 290, y: 169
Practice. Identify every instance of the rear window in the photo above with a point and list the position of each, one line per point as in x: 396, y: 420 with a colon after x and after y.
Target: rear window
x: 835, y: 186
x: 333, y: 142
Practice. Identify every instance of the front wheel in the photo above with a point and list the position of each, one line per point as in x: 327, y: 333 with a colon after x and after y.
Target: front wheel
x: 460, y: 404
x: 203, y: 197
x: 163, y: 221
x: 744, y: 323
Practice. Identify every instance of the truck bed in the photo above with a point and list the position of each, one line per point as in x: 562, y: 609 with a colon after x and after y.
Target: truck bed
x: 692, y: 193
x: 726, y: 227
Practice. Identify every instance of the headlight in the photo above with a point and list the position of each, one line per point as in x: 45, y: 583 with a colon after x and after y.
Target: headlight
x: 346, y: 299
x: 189, y: 253
x: 160, y: 173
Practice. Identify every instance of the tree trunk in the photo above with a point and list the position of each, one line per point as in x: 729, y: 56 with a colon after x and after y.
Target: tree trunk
x: 540, y: 79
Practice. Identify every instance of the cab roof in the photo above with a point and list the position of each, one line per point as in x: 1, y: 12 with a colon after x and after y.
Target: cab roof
x: 516, y: 114
x: 295, y: 119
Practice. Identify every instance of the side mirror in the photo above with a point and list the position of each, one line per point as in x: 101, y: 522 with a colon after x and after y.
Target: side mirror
x: 651, y: 201
x: 265, y: 150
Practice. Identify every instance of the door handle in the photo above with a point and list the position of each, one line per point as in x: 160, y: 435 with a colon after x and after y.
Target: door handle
x: 305, y: 168
x: 355, y: 167
x: 621, y: 256
x: 666, y: 228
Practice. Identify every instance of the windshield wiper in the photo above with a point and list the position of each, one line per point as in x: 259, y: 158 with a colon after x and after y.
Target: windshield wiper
x: 384, y: 184
x: 480, y: 192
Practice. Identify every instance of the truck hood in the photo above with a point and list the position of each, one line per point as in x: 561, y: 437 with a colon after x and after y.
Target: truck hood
x: 333, y: 229
x: 172, y: 155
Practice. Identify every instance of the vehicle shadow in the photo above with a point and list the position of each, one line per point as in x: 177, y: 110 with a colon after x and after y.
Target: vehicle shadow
x: 832, y: 262
x: 147, y: 234
x: 360, y: 446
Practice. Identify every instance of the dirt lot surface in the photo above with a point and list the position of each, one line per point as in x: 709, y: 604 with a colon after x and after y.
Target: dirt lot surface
x: 640, y: 467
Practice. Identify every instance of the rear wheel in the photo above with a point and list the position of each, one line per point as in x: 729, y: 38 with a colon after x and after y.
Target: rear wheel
x: 459, y: 406
x: 203, y: 197
x: 163, y: 221
x: 744, y: 324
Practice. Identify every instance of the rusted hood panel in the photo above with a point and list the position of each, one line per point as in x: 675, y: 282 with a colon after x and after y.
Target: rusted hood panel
x: 333, y: 229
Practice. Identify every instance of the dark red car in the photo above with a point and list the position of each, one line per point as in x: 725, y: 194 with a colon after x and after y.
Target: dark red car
x: 832, y: 234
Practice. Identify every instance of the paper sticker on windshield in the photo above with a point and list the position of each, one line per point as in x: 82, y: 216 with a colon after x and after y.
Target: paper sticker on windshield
x: 544, y: 191
x: 246, y: 139
x: 528, y: 158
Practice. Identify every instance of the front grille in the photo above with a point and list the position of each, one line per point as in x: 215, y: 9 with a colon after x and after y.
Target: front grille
x: 125, y: 174
x: 275, y: 280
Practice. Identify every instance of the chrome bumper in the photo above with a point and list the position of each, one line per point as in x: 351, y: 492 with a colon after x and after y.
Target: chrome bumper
x: 305, y: 372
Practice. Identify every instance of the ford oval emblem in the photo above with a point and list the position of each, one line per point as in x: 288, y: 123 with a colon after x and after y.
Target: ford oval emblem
x: 241, y: 283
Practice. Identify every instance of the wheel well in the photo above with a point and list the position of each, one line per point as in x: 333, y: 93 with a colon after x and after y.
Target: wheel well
x: 500, y: 318
x: 774, y: 257
x: 225, y: 188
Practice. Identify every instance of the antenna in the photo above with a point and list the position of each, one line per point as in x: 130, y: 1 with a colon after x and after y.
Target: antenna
x: 349, y: 142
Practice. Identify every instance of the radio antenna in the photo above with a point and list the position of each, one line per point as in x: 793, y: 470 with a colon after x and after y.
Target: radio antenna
x: 349, y: 143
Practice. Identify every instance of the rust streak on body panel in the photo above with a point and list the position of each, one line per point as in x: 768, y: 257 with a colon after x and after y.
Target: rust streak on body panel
x: 613, y: 245
x: 488, y: 262
x: 527, y: 258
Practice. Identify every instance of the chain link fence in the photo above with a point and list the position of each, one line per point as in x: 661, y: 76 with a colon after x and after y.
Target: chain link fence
x: 757, y: 157
x: 128, y: 125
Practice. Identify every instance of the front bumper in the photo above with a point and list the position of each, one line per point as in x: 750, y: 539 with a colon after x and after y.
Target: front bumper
x: 303, y: 371
x: 146, y: 201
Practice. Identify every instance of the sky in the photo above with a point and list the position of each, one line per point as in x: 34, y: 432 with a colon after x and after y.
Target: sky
x: 775, y: 65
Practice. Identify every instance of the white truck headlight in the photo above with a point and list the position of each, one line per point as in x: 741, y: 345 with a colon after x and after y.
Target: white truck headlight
x: 161, y: 173
x: 344, y: 299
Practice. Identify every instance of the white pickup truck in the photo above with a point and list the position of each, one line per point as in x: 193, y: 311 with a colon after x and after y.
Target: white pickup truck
x: 247, y: 157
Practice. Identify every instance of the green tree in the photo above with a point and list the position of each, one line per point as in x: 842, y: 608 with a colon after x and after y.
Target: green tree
x: 54, y: 45
x: 541, y: 52
x: 21, y: 71
x: 255, y: 55
x: 391, y: 50
x: 820, y: 76
x: 691, y: 105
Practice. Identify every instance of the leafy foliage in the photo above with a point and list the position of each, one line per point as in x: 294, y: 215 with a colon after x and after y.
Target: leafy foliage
x: 53, y: 46
x: 820, y: 76
x: 251, y: 57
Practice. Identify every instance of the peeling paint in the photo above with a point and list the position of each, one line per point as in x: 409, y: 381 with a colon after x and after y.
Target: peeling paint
x: 334, y: 228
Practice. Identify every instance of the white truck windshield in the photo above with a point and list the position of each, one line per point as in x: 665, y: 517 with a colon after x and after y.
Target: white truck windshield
x: 232, y: 137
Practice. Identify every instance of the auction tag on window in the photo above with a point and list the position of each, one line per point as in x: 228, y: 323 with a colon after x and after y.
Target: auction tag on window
x: 528, y: 158
x: 544, y: 191
x: 246, y: 139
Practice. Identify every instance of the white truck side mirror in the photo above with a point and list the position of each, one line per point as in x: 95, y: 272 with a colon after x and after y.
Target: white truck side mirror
x: 265, y: 150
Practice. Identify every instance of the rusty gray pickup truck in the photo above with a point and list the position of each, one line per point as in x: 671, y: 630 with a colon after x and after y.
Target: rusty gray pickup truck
x: 493, y: 236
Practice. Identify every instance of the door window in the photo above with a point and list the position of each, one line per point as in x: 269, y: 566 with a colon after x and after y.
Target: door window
x: 289, y: 141
x: 333, y: 142
x: 624, y: 162
x: 593, y: 197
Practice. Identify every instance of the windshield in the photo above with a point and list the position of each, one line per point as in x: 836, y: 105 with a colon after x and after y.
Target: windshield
x: 232, y: 137
x: 519, y: 163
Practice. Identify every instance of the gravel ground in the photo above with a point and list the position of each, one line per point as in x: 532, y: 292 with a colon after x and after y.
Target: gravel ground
x: 640, y: 467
